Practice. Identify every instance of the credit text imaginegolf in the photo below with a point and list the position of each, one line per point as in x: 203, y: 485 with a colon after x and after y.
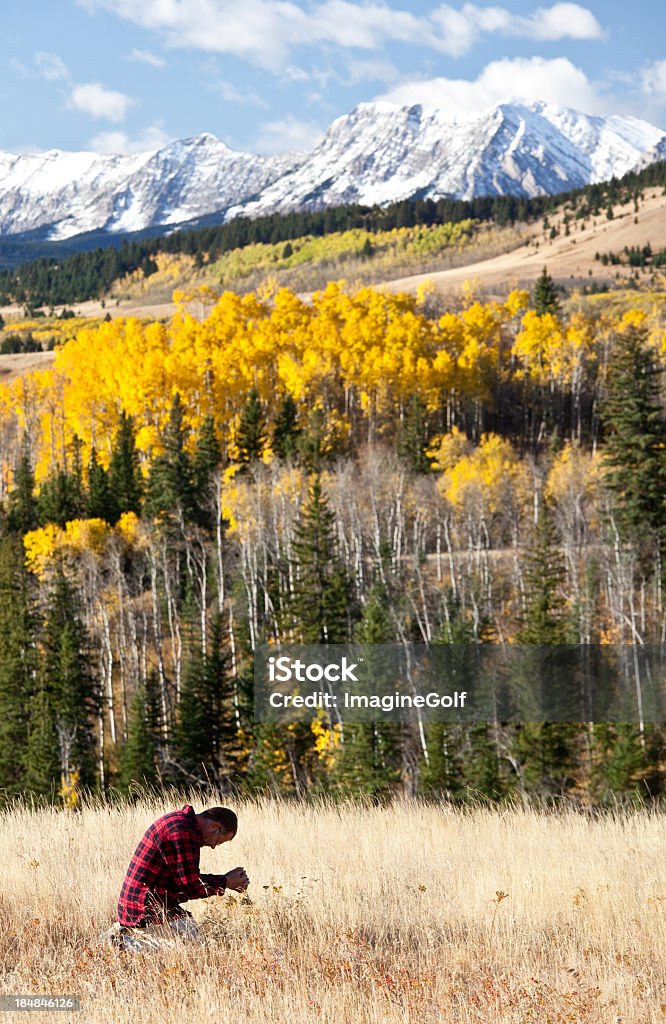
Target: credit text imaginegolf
x: 462, y: 683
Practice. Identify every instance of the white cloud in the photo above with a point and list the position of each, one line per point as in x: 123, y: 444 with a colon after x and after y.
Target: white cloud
x: 151, y: 138
x: 20, y: 68
x: 653, y: 79
x: 456, y: 31
x: 261, y: 31
x: 146, y: 57
x: 51, y: 67
x: 265, y: 32
x: 460, y: 29
x: 228, y: 91
x: 292, y: 73
x: 231, y: 94
x: 96, y: 100
x: 534, y: 78
x: 365, y: 26
x: 370, y: 71
x: 563, y: 21
x: 285, y: 134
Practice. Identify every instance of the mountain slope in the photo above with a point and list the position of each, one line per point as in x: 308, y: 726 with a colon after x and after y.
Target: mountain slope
x: 378, y: 154
x: 73, y: 193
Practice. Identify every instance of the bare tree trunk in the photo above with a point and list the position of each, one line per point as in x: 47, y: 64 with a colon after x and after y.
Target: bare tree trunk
x: 234, y: 664
x: 174, y: 624
x: 108, y: 669
x: 157, y: 634
x: 219, y: 542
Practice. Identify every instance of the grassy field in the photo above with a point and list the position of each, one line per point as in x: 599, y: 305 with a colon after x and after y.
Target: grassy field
x: 408, y: 913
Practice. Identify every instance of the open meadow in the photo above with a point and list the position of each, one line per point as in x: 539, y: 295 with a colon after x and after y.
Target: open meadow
x: 411, y: 912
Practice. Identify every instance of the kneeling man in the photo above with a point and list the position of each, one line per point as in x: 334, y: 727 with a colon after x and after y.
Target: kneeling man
x: 164, y: 873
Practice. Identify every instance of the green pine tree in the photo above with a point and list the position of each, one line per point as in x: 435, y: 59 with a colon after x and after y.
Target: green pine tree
x: 370, y: 756
x: 101, y: 502
x: 481, y: 772
x: 619, y: 761
x: 138, y: 759
x: 41, y: 770
x: 207, y: 459
x: 286, y: 432
x: 76, y: 477
x: 72, y: 689
x: 207, y: 454
x: 546, y: 298
x: 633, y: 455
x: 195, y: 740
x: 462, y: 760
x: 312, y: 442
x: 413, y: 439
x: 206, y: 742
x: 18, y: 663
x: 125, y: 480
x: 547, y: 751
x: 171, y: 491
x: 252, y: 433
x: 545, y: 619
x: 322, y: 589
x: 441, y: 774
x: 60, y: 499
x: 376, y: 626
x: 319, y: 442
x: 22, y: 513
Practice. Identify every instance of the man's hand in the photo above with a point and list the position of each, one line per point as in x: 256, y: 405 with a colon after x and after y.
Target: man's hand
x: 237, y: 880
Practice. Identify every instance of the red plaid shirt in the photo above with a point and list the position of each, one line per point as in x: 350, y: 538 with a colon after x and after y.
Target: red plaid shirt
x: 164, y: 872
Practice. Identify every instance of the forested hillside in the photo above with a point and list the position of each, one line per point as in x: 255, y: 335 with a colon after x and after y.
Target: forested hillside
x: 54, y: 280
x: 363, y: 466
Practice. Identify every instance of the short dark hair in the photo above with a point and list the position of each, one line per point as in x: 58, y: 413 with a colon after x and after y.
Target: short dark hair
x: 224, y: 817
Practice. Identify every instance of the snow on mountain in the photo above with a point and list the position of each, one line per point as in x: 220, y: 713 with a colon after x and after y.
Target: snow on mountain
x: 71, y: 193
x: 652, y: 156
x: 379, y: 153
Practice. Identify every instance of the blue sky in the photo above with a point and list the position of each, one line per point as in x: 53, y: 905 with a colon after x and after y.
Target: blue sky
x: 270, y: 75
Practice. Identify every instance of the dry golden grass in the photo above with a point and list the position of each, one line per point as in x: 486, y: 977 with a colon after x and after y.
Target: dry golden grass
x: 357, y: 914
x: 570, y: 259
x: 20, y: 363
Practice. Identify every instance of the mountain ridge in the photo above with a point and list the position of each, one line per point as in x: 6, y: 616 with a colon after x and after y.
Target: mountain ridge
x: 377, y: 154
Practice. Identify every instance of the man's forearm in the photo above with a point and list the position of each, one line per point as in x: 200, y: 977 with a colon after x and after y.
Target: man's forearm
x: 217, y: 883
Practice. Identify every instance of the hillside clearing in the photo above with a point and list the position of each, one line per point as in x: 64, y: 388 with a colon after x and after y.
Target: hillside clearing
x: 570, y: 259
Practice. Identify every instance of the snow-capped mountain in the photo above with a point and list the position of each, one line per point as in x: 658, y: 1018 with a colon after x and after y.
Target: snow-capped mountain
x: 377, y: 154
x: 381, y: 153
x: 72, y: 193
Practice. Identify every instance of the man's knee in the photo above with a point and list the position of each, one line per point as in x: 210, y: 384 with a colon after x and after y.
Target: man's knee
x: 186, y: 928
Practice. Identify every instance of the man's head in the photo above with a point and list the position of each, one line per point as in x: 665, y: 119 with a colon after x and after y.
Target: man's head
x: 217, y: 825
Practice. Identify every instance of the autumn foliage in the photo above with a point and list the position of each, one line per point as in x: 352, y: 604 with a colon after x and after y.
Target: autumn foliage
x: 409, y: 449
